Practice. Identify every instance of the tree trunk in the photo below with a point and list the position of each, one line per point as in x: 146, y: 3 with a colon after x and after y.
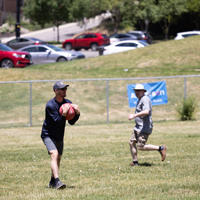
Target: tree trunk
x: 58, y: 36
x: 117, y: 20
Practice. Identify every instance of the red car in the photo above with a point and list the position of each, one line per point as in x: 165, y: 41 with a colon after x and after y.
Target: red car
x: 86, y: 41
x: 10, y: 58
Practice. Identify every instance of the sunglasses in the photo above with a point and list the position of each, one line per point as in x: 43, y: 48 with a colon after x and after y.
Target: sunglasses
x: 63, y: 89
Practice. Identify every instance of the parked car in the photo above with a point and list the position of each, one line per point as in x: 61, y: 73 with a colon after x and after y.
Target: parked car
x: 183, y: 35
x: 49, y: 53
x: 123, y: 46
x: 20, y: 42
x: 86, y: 41
x: 10, y: 58
x: 121, y: 36
x: 141, y: 35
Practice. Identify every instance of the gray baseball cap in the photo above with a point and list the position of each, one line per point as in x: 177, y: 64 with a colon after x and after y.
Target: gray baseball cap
x: 59, y: 85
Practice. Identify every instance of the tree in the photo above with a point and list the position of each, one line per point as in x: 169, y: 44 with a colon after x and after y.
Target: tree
x: 51, y: 11
x: 91, y: 8
x: 37, y: 11
x: 194, y: 7
x: 168, y: 11
x: 117, y: 8
x: 59, y: 13
x: 147, y: 12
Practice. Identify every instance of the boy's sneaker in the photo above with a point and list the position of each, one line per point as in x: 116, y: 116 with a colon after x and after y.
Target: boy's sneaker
x: 60, y: 185
x: 51, y: 184
x: 163, y: 153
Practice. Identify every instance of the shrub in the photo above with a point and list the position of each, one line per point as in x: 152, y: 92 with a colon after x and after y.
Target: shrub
x: 186, y: 109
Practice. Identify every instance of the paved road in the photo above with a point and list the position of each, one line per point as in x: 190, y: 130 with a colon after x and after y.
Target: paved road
x: 65, y: 31
x: 89, y: 53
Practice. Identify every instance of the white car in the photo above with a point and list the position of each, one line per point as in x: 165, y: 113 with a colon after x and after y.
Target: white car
x: 183, y: 35
x: 123, y: 46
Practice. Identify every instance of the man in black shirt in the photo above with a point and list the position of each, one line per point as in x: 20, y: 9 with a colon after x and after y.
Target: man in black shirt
x: 53, y: 130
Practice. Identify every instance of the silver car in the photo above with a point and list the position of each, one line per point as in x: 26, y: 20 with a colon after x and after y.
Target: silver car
x: 42, y: 54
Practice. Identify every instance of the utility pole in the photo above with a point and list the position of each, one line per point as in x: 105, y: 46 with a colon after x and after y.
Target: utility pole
x: 17, y: 25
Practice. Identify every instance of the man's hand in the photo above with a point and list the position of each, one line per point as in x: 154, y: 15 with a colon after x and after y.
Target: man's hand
x: 65, y: 110
x: 76, y: 108
x: 131, y: 116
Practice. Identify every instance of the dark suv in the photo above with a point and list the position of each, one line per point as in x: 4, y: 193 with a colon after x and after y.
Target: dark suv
x: 142, y: 36
x: 86, y: 41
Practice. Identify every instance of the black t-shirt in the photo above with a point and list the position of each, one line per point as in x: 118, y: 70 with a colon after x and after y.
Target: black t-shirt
x: 54, y: 123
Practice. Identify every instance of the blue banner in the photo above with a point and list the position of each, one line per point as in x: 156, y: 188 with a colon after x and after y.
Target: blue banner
x: 156, y: 91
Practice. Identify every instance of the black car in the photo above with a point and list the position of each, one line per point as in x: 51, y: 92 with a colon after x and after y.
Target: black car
x: 141, y: 35
x: 121, y: 36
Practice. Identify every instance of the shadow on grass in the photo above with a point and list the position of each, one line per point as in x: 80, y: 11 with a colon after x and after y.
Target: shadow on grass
x: 145, y: 164
x: 68, y: 186
x: 71, y: 187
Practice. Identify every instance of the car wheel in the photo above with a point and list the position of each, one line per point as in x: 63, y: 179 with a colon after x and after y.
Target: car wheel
x: 68, y: 46
x: 7, y: 63
x: 94, y: 46
x: 61, y: 59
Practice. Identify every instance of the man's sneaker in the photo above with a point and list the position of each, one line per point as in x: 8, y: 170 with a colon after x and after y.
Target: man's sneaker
x: 51, y: 185
x: 163, y: 153
x: 132, y: 164
x: 60, y: 185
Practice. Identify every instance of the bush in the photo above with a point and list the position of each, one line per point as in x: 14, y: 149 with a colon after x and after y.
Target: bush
x: 187, y: 108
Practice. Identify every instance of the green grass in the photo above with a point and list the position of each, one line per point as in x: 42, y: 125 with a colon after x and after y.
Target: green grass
x: 95, y: 163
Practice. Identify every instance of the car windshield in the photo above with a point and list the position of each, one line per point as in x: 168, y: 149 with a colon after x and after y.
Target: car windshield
x: 5, y: 48
x: 54, y: 48
x: 143, y: 43
x: 35, y: 39
x: 104, y: 36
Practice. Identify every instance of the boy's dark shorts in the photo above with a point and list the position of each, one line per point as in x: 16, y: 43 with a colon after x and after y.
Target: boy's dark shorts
x: 139, y: 137
x: 52, y: 144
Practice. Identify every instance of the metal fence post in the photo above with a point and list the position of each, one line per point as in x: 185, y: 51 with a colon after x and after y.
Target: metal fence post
x: 185, y: 88
x: 30, y: 124
x: 107, y: 88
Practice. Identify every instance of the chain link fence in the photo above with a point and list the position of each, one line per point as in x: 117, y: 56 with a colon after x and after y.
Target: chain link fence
x: 100, y: 100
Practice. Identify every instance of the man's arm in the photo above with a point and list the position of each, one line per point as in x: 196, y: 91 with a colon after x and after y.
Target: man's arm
x: 140, y: 114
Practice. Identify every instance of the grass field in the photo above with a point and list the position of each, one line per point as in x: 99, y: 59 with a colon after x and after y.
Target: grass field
x: 163, y: 59
x: 95, y: 163
x: 96, y: 157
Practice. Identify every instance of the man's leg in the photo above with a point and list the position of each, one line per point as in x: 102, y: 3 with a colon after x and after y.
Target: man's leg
x: 148, y: 147
x: 133, y: 149
x: 54, y: 163
x: 142, y: 139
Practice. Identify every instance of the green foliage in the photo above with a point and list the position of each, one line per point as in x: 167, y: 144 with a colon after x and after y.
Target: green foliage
x: 187, y: 109
x: 10, y: 19
x: 80, y: 9
x: 51, y: 11
x: 168, y: 10
x: 38, y: 11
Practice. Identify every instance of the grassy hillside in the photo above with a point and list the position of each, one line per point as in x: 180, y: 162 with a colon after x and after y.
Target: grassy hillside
x: 162, y: 59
